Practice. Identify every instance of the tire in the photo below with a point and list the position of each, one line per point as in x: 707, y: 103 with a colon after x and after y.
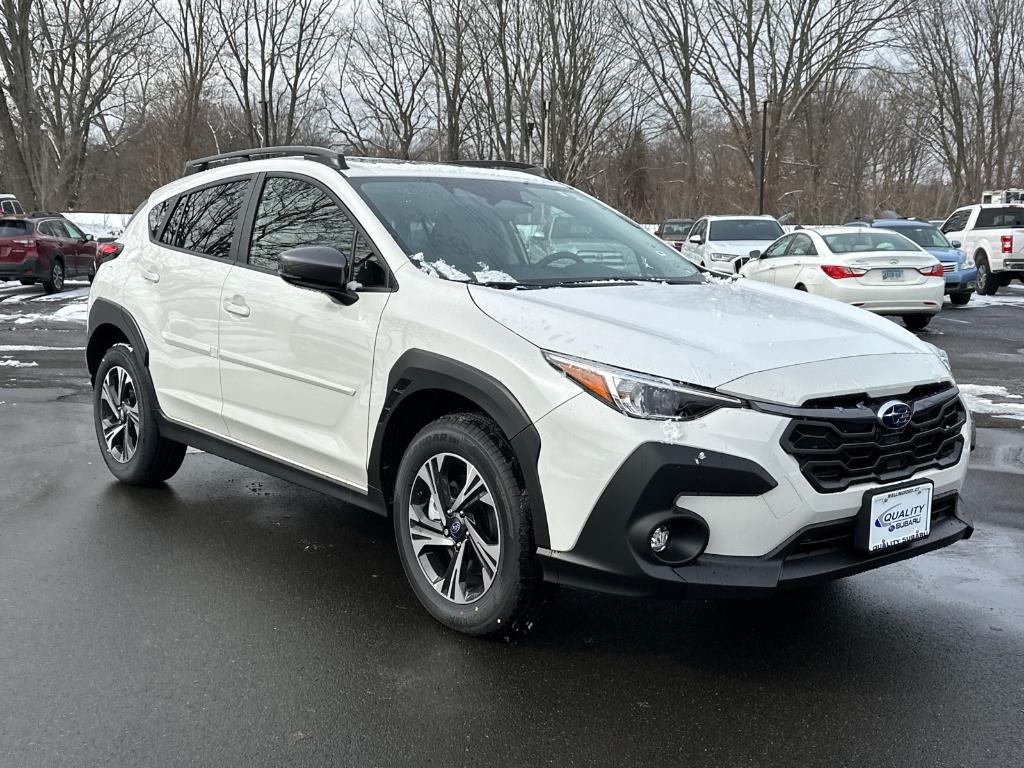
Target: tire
x: 54, y: 282
x: 916, y: 322
x: 123, y: 395
x: 988, y: 284
x: 497, y: 516
x: 800, y: 288
x: 91, y: 276
x: 960, y: 299
x: 27, y: 280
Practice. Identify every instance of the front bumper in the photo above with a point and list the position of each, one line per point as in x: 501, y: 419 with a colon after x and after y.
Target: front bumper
x: 962, y: 280
x: 758, y: 524
x: 815, y: 554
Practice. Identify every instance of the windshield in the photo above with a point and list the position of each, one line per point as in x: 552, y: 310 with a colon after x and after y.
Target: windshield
x: 925, y: 236
x: 745, y: 229
x: 857, y: 242
x: 501, y: 231
x: 675, y: 228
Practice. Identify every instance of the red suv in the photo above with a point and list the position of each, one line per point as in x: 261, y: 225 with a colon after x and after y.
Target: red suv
x: 46, y: 248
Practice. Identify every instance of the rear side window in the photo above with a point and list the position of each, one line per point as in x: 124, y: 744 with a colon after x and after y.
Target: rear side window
x: 993, y: 218
x: 157, y: 217
x: 293, y: 213
x: 204, y: 221
x: 14, y: 228
x: 51, y: 229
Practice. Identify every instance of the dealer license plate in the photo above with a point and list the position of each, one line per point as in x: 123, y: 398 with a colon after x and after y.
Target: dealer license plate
x: 892, y: 274
x: 895, y: 517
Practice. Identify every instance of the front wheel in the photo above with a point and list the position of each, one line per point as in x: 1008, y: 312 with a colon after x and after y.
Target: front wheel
x: 988, y: 283
x: 463, y: 526
x: 960, y: 299
x: 916, y: 322
x: 124, y: 413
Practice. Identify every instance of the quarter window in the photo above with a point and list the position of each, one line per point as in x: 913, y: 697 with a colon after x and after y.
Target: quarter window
x: 367, y: 268
x: 157, y: 216
x: 204, y: 221
x: 294, y: 213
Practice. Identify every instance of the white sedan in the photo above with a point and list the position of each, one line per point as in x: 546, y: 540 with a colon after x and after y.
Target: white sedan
x: 883, y: 272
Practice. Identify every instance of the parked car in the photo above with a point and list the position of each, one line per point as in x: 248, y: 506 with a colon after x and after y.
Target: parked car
x: 378, y: 332
x: 994, y: 236
x: 722, y: 243
x: 9, y: 206
x: 883, y: 272
x: 960, y: 273
x: 48, y: 249
x: 674, y: 231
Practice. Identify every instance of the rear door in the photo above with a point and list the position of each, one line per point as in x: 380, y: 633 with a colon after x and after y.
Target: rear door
x: 296, y: 365
x: 173, y: 292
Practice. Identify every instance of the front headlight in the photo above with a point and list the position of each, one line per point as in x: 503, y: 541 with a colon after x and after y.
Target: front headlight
x: 968, y: 260
x: 723, y: 256
x: 639, y: 395
x: 941, y: 354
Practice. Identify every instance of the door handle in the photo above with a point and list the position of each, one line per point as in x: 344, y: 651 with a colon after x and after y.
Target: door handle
x: 150, y: 275
x: 237, y: 306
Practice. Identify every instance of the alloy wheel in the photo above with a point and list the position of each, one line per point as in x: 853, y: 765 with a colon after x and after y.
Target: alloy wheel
x: 119, y: 414
x: 454, y: 527
x: 58, y: 276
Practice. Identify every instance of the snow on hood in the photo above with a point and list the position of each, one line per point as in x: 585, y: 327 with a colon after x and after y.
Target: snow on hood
x: 705, y: 334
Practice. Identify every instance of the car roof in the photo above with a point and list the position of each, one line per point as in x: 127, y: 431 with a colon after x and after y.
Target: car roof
x: 7, y: 196
x: 891, y: 223
x: 734, y: 216
x: 358, y: 167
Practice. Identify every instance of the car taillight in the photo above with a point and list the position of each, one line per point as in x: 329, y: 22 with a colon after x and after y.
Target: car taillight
x: 108, y: 251
x: 1006, y: 241
x: 936, y: 271
x: 838, y: 273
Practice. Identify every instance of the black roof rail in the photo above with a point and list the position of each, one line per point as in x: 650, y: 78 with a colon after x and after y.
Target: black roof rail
x: 45, y: 215
x: 323, y: 155
x: 505, y: 165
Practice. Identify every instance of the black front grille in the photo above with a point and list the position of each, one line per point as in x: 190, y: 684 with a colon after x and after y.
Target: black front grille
x: 841, y: 446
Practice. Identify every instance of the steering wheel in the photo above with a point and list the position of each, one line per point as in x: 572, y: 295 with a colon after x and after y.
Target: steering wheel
x: 558, y: 256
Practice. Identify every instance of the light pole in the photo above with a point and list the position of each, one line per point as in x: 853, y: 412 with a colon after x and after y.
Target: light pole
x: 764, y: 144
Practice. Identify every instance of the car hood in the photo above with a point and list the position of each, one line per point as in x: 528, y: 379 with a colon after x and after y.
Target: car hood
x: 945, y: 254
x: 738, y: 247
x: 706, y: 334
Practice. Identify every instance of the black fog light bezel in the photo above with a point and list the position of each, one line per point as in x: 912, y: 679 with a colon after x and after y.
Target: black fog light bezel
x: 688, y: 536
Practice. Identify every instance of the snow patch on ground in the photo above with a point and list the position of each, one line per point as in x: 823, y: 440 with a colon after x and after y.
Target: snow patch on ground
x: 16, y: 364
x: 100, y: 224
x: 78, y: 312
x: 981, y: 398
x: 77, y: 293
x: 30, y: 348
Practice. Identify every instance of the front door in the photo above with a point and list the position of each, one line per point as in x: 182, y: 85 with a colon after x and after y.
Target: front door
x: 295, y: 364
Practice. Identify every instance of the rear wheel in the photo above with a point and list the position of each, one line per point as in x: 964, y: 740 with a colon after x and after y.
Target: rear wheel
x: 124, y: 413
x: 960, y: 298
x: 916, y: 322
x: 988, y: 284
x: 463, y: 526
x: 54, y: 282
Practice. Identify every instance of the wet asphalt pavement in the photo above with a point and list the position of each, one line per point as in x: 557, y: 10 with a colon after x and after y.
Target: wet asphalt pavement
x: 231, y: 619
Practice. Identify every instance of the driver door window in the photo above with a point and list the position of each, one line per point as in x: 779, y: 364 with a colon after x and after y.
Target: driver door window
x: 776, y: 249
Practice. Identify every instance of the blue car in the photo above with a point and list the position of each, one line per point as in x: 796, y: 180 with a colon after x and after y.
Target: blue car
x: 961, y: 275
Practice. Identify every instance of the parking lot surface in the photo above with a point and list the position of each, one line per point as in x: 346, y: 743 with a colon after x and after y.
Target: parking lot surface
x: 230, y: 618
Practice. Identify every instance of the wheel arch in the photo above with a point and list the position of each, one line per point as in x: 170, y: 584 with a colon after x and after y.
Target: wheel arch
x: 423, y: 386
x: 110, y: 324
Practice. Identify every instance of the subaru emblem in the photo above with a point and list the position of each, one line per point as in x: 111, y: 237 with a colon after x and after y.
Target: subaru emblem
x: 894, y: 414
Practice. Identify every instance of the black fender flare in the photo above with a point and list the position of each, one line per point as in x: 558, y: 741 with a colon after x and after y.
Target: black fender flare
x: 107, y: 313
x: 417, y: 370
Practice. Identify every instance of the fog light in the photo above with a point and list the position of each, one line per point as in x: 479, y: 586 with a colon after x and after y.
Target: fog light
x: 659, y: 538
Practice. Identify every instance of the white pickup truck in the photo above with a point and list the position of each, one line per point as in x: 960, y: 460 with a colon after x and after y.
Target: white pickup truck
x: 994, y: 235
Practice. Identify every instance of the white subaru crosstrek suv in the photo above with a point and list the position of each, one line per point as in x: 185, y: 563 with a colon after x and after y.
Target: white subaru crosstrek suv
x: 394, y: 334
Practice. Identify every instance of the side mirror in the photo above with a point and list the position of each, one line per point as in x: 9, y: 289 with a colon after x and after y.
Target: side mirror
x: 754, y: 255
x: 695, y: 239
x: 319, y: 267
x: 955, y: 243
x: 87, y: 238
